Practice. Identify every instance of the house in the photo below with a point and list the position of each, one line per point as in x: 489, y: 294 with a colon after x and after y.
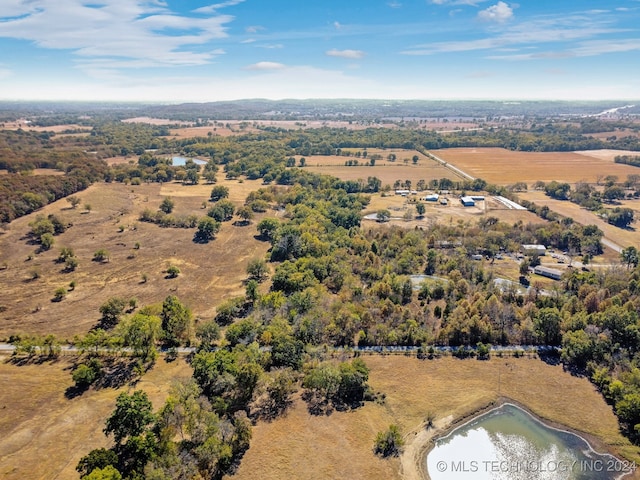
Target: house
x: 548, y: 272
x: 404, y: 193
x: 467, y: 201
x: 539, y: 250
x: 433, y: 197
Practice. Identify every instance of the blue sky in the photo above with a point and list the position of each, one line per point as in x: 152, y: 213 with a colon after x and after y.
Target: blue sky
x: 195, y: 50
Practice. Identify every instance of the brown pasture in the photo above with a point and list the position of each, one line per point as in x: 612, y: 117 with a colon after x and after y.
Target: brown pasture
x: 388, y: 172
x: 210, y: 273
x: 21, y: 124
x: 39, y: 171
x: 302, y: 446
x: 44, y: 434
x: 503, y: 167
x: 622, y: 237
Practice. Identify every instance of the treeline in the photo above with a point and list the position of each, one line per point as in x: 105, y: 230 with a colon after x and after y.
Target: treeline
x: 628, y: 160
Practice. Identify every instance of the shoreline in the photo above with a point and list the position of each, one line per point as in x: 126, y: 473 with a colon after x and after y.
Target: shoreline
x: 412, y: 461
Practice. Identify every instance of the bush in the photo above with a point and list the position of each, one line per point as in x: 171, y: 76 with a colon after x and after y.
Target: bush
x: 173, y: 271
x: 101, y: 256
x: 388, y: 443
x: 59, y: 294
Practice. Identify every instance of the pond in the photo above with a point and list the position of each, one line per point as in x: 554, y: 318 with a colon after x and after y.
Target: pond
x: 508, y: 443
x: 182, y: 161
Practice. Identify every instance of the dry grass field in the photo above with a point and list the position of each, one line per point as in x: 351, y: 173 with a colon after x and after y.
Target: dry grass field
x: 620, y: 236
x: 209, y: 274
x: 301, y: 446
x: 503, y: 167
x: 388, y: 172
x: 39, y: 171
x: 44, y: 434
x: 51, y: 128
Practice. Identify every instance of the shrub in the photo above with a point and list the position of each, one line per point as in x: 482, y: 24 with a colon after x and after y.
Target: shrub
x: 388, y: 443
x: 173, y: 271
x: 59, y: 294
x: 101, y: 256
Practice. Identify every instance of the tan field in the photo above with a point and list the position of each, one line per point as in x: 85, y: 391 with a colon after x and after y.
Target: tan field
x: 503, y: 167
x: 622, y: 237
x: 209, y: 274
x: 388, y: 172
x: 301, y: 446
x: 44, y: 434
x: 52, y: 128
x: 39, y: 171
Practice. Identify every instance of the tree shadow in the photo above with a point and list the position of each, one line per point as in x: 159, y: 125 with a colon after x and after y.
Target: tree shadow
x: 317, y: 405
x: 24, y: 360
x: 551, y: 357
x: 268, y: 410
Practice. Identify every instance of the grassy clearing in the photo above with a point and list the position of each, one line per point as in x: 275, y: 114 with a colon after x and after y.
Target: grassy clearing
x: 342, y: 443
x: 44, y: 433
x: 622, y: 237
x: 209, y: 274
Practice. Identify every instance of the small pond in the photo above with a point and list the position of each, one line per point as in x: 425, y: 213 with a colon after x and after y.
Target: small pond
x: 508, y: 443
x: 182, y: 161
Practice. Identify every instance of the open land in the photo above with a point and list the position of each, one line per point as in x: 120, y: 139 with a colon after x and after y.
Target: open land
x: 44, y: 433
x: 59, y: 431
x: 342, y: 442
x: 621, y: 236
x: 503, y: 167
x: 210, y: 273
x: 388, y: 172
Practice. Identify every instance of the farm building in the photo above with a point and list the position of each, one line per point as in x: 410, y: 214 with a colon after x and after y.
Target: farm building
x: 431, y: 197
x: 477, y: 198
x: 467, y: 201
x: 476, y: 257
x: 548, y: 272
x: 404, y: 193
x: 533, y: 249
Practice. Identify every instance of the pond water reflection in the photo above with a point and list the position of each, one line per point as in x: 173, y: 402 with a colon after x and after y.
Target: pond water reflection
x: 508, y: 443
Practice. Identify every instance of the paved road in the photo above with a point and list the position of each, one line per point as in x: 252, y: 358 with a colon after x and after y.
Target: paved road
x: 7, y: 348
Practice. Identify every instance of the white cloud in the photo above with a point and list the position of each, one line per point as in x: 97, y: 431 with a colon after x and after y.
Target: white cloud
x: 266, y: 66
x: 590, y: 48
x: 137, y: 31
x: 248, y: 40
x: 217, y: 6
x: 5, y: 73
x: 337, y: 25
x: 271, y: 46
x: 351, y: 54
x: 394, y: 4
x: 253, y: 29
x: 500, y: 12
x: 562, y: 30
